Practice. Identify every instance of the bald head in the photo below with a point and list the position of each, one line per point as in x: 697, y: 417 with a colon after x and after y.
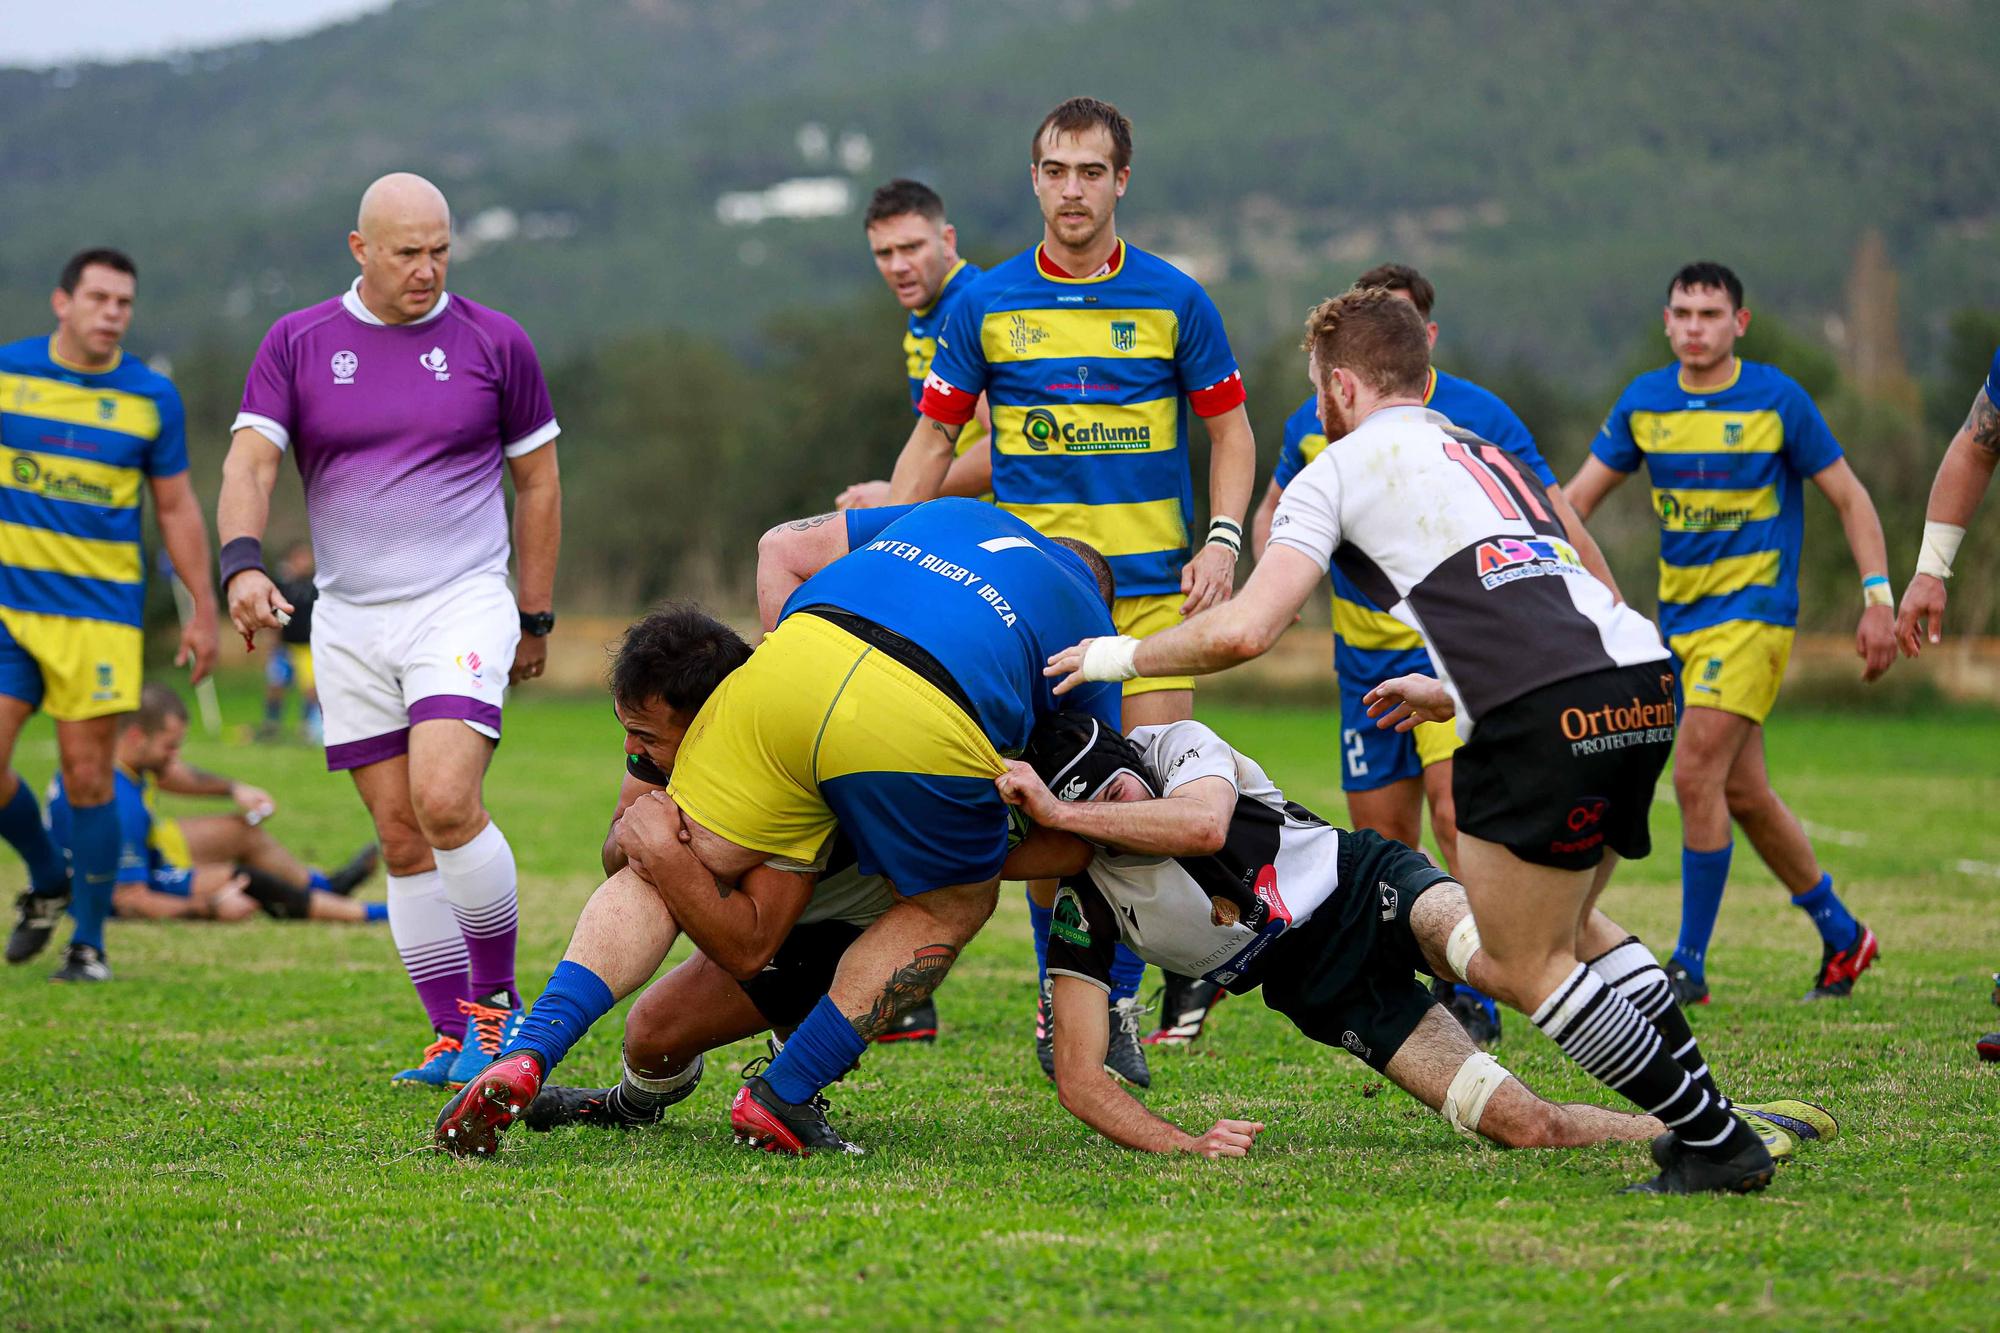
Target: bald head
x: 402, y: 240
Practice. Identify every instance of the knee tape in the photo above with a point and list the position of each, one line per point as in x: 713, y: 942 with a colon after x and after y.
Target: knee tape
x: 1461, y: 945
x: 1471, y: 1088
x: 666, y: 1091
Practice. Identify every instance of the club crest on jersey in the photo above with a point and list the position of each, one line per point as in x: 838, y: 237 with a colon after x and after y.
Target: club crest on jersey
x: 1124, y: 335
x: 1732, y: 432
x: 107, y: 409
x: 344, y: 364
x: 1389, y: 899
x: 434, y: 362
x: 1355, y: 1046
x: 1505, y: 559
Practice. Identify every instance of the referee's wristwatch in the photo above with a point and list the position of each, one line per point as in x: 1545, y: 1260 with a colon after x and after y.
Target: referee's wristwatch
x: 538, y: 623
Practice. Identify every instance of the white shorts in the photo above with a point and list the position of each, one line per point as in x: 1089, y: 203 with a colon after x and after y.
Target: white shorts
x: 382, y: 668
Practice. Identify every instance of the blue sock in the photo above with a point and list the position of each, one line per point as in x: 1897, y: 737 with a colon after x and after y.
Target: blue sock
x: 575, y: 998
x: 1836, y: 924
x: 318, y: 880
x: 93, y: 832
x: 376, y: 911
x: 1704, y: 875
x: 21, y: 825
x: 1127, y: 969
x: 1039, y: 918
x: 819, y: 1051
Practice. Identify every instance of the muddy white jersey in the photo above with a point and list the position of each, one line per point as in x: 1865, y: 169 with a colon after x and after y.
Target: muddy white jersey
x: 1448, y: 533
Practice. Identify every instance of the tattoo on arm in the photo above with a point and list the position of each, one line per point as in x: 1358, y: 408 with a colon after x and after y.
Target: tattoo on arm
x: 949, y: 432
x: 808, y: 524
x: 908, y: 986
x: 1983, y: 423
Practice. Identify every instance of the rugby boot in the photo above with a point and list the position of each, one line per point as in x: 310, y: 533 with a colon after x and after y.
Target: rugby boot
x: 83, y: 963
x: 36, y: 915
x: 1688, y: 988
x: 1989, y: 1047
x: 554, y: 1107
x: 1185, y: 1004
x: 1805, y: 1121
x: 470, y: 1123
x: 489, y: 1025
x: 920, y: 1024
x: 355, y: 873
x: 1838, y: 968
x: 434, y: 1070
x: 761, y: 1119
x: 1777, y: 1141
x: 1742, y: 1166
x: 1045, y: 1029
x: 1125, y: 1057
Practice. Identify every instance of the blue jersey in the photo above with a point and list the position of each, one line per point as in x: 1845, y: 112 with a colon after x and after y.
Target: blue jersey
x: 144, y: 846
x: 1090, y: 381
x: 78, y: 445
x: 984, y: 594
x: 1727, y: 466
x: 920, y: 342
x: 1993, y: 380
x: 1369, y: 644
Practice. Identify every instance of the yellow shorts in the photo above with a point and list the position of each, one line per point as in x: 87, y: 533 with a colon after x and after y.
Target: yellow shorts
x: 1735, y: 666
x: 73, y: 669
x: 301, y: 655
x: 820, y: 729
x: 1436, y: 742
x: 1141, y: 616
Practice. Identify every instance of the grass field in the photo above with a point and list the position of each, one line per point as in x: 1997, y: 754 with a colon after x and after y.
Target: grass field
x: 212, y: 1140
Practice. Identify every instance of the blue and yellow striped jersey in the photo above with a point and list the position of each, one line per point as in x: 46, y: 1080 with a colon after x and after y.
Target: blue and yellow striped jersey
x: 1727, y: 467
x: 146, y: 843
x: 78, y: 444
x: 920, y: 341
x: 1090, y: 381
x: 1368, y: 642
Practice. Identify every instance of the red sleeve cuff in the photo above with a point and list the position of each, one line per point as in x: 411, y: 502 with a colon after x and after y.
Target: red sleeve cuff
x: 952, y: 406
x: 1219, y: 397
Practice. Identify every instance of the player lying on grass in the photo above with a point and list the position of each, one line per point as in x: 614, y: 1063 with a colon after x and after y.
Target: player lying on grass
x: 207, y: 867
x: 1185, y: 850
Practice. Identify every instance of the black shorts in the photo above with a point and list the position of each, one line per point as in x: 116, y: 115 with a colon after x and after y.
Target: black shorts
x: 800, y: 972
x: 1562, y: 773
x: 1345, y: 976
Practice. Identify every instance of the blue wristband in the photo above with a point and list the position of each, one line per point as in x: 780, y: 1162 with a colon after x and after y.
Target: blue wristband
x: 1875, y: 581
x: 239, y: 556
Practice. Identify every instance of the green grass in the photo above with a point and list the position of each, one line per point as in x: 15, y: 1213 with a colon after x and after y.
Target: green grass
x: 212, y: 1138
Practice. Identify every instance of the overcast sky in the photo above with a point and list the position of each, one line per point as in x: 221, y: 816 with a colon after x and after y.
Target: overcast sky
x: 47, y: 32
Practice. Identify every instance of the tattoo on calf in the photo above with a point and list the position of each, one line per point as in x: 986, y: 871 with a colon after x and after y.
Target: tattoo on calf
x: 908, y: 986
x: 1983, y: 423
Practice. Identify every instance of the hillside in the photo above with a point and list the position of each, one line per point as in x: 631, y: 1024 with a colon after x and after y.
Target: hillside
x: 1549, y: 171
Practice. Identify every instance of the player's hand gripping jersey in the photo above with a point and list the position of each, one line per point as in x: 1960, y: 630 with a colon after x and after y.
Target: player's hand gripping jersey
x: 1459, y: 543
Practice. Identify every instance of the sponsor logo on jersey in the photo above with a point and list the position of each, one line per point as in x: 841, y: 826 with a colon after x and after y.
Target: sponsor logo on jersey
x: 1082, y: 385
x: 1585, y: 819
x: 1503, y: 560
x: 1022, y: 334
x: 1067, y: 924
x: 1700, y: 518
x: 1355, y: 1046
x: 344, y: 364
x: 1041, y: 428
x: 1389, y: 899
x: 28, y: 471
x: 1617, y: 726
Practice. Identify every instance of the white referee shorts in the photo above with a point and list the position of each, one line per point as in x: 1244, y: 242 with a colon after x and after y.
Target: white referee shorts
x: 382, y: 668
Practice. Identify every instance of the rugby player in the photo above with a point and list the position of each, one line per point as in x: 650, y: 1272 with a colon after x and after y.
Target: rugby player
x: 1091, y: 353
x: 898, y: 662
x: 83, y: 424
x: 1565, y: 695
x: 1962, y: 479
x: 403, y: 405
x: 1190, y: 852
x: 1726, y: 443
x: 1389, y: 776
x: 916, y: 251
x: 205, y: 867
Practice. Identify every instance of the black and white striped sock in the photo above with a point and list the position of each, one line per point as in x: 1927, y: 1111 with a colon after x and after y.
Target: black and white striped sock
x: 1616, y: 1044
x: 1632, y: 970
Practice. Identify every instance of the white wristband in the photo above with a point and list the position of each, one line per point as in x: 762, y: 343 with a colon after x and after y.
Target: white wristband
x: 1940, y: 548
x: 1111, y: 659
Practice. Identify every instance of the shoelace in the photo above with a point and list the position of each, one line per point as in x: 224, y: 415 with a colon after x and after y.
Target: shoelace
x: 1128, y: 1017
x: 487, y: 1023
x: 440, y: 1047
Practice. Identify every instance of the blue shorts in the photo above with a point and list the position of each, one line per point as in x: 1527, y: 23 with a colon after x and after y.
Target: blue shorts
x: 1371, y: 756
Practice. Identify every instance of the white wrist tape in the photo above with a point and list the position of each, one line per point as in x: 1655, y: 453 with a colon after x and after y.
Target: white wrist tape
x: 1471, y: 1088
x: 1940, y: 548
x: 1111, y: 659
x: 1462, y: 944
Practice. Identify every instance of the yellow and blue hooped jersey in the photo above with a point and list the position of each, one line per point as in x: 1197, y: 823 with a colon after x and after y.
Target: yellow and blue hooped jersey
x: 920, y: 341
x: 1369, y: 644
x: 1090, y: 381
x: 147, y: 845
x: 77, y: 446
x: 1727, y: 467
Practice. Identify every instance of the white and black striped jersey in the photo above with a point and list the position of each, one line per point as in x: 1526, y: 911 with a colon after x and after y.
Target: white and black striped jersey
x: 1447, y: 532
x: 1211, y: 916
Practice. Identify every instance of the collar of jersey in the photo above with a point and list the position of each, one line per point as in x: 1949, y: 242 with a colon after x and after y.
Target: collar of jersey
x: 1054, y: 272
x: 941, y: 286
x: 1401, y: 412
x: 1680, y: 378
x: 1430, y: 385
x: 74, y: 368
x: 355, y: 306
